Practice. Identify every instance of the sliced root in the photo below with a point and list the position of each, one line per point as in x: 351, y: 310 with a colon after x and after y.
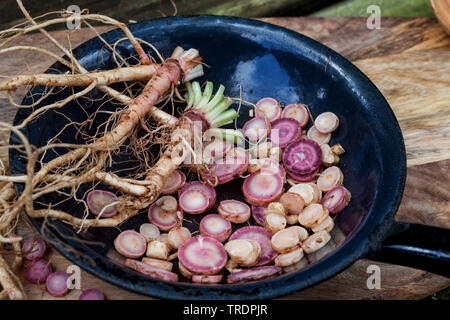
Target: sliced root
x: 151, y: 271
x: 259, y: 214
x: 174, y: 182
x: 293, y: 202
x: 158, y: 263
x: 289, y: 258
x: 244, y: 252
x: 130, y: 244
x: 34, y: 249
x: 234, y: 211
x: 215, y: 226
x: 38, y: 271
x: 262, y: 236
x: 253, y: 274
x: 262, y: 187
x: 256, y: 129
x: 102, y: 203
x: 158, y: 249
x: 326, y: 122
x: 297, y: 112
x: 275, y: 222
x: 91, y: 294
x: 206, y: 188
x: 200, y: 278
x: 149, y: 231
x: 316, y: 241
x: 268, y: 108
x: 56, y: 284
x: 330, y: 178
x: 319, y: 137
x: 203, y: 255
x: 284, y: 131
x: 313, y: 215
x: 177, y: 236
x: 285, y: 240
x: 336, y: 199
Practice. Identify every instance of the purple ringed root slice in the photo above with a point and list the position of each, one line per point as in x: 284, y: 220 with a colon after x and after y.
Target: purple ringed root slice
x: 297, y: 112
x: 228, y: 168
x: 34, y: 248
x: 302, y: 156
x: 301, y: 178
x: 234, y: 211
x: 56, y: 284
x: 259, y: 214
x: 336, y: 199
x: 214, y: 226
x: 256, y: 129
x: 263, y: 237
x: 202, y: 255
x: 262, y: 187
x: 91, y: 294
x: 99, y: 199
x: 162, y: 219
x: 269, y: 108
x: 253, y: 274
x: 151, y: 271
x: 198, y: 185
x: 130, y: 244
x: 194, y: 201
x: 175, y: 181
x: 284, y: 131
x: 38, y: 271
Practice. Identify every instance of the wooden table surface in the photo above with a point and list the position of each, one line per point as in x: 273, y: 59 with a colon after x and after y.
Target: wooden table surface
x: 409, y: 61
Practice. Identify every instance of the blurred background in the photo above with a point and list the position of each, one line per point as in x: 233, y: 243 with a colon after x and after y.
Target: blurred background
x: 126, y: 10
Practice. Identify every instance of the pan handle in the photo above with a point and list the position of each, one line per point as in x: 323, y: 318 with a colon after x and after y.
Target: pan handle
x: 417, y: 246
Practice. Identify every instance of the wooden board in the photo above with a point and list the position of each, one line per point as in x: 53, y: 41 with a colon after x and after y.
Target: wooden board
x: 409, y: 61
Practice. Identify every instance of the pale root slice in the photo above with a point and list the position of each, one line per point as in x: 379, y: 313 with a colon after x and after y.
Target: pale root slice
x: 292, y: 219
x: 326, y: 122
x: 158, y: 263
x: 259, y: 214
x: 256, y: 129
x: 162, y: 219
x: 215, y: 226
x: 305, y: 190
x: 327, y: 225
x: 302, y: 156
x: 284, y: 131
x: 266, y: 163
x: 102, y: 202
x: 266, y: 150
x: 130, y: 244
x: 198, y: 185
x: 194, y: 201
x: 56, y: 284
x: 275, y: 222
x: 184, y: 271
x: 34, y: 249
x: 336, y: 199
x: 286, y: 240
x: 158, y: 250
x: 278, y: 208
x: 174, y: 182
x: 262, y: 187
x: 298, y: 112
x: 38, y: 271
x: 302, y: 232
x: 216, y: 149
x: 317, y: 136
x: 151, y: 271
x: 268, y: 108
x: 203, y: 255
x: 330, y: 178
x: 337, y: 149
x: 201, y: 278
x: 316, y: 241
x: 226, y: 169
x: 317, y: 196
x: 163, y: 237
x: 293, y: 202
x: 244, y: 252
x: 91, y: 294
x: 234, y: 211
x: 313, y: 215
x: 289, y: 258
x: 232, y: 266
x: 177, y: 236
x: 328, y: 157
x: 302, y: 178
x: 253, y: 274
x: 149, y: 231
x: 262, y: 236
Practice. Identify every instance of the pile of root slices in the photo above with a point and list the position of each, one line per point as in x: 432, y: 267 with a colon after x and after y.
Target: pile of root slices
x: 290, y: 181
